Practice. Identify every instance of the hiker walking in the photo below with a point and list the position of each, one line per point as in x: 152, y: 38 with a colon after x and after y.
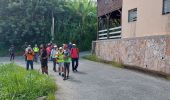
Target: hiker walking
x: 53, y: 56
x: 75, y: 57
x: 67, y: 60
x: 26, y: 50
x: 44, y: 60
x: 36, y: 52
x: 70, y: 45
x: 48, y: 49
x: 30, y: 57
x: 12, y: 52
x: 60, y: 60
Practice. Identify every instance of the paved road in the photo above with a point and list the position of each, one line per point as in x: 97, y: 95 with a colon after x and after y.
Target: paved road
x: 96, y: 81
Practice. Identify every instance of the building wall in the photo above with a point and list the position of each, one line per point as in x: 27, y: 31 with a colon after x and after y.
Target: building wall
x: 150, y: 20
x: 150, y: 53
x: 108, y: 6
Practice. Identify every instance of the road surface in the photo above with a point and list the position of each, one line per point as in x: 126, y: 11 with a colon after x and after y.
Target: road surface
x: 97, y: 81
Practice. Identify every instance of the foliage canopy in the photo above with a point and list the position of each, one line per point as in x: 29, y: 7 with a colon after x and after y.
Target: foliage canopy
x: 31, y: 21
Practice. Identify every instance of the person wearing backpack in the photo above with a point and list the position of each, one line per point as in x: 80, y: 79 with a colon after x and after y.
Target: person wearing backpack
x: 67, y: 60
x: 44, y: 60
x: 74, y: 57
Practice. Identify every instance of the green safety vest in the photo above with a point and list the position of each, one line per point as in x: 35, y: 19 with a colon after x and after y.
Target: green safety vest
x: 36, y: 49
x: 60, y: 57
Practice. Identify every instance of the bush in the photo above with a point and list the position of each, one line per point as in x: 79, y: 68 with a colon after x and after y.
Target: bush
x: 17, y: 83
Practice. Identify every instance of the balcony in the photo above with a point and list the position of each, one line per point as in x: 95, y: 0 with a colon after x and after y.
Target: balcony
x: 112, y: 33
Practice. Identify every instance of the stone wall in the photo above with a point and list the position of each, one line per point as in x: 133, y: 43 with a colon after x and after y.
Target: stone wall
x: 151, y: 53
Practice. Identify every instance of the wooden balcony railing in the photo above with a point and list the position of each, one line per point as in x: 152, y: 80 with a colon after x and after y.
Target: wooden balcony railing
x: 112, y: 33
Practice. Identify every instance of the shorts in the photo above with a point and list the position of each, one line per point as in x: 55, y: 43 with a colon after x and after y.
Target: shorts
x: 66, y: 65
x: 60, y: 64
x: 44, y: 63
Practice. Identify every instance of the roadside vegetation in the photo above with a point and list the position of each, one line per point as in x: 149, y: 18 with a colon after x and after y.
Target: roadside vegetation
x: 31, y: 21
x: 95, y: 58
x: 18, y: 84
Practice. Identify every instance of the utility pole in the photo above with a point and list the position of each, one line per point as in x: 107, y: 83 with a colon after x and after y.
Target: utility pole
x: 52, y: 28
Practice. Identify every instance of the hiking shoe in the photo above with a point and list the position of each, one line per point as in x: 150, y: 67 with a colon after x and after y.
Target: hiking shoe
x: 59, y: 73
x: 67, y: 77
x: 62, y: 75
x: 64, y: 78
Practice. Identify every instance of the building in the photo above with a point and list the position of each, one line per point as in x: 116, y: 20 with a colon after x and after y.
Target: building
x: 145, y: 18
x: 136, y: 18
x: 109, y: 17
x: 135, y: 33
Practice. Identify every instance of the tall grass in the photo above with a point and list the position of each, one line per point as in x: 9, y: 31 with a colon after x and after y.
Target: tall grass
x: 18, y: 84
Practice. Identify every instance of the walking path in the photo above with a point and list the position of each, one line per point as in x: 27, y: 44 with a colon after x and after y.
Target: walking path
x: 97, y: 81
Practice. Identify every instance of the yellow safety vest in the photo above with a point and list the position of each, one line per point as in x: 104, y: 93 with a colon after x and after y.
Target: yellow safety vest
x: 60, y: 57
x: 36, y: 49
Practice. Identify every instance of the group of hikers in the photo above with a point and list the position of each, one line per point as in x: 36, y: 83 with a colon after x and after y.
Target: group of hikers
x: 63, y: 56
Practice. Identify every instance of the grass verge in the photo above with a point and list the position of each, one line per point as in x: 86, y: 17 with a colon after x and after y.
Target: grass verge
x: 96, y: 59
x: 18, y: 84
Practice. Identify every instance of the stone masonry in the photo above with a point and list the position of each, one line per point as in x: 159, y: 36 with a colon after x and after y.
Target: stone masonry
x: 150, y: 53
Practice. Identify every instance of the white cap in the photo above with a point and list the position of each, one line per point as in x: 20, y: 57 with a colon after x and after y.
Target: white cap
x: 60, y: 48
x: 55, y: 46
x: 74, y: 44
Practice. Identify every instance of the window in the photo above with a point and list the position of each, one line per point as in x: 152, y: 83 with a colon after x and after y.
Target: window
x: 166, y: 6
x: 132, y: 15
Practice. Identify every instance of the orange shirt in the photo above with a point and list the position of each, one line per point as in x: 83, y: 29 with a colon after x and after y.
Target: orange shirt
x: 30, y: 56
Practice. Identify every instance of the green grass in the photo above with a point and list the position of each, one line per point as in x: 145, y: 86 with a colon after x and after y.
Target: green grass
x: 18, y: 84
x: 96, y: 59
x: 51, y: 96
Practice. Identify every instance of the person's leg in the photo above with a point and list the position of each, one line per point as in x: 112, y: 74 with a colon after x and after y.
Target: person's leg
x: 27, y: 65
x: 54, y: 64
x: 36, y: 60
x: 31, y: 63
x: 62, y: 66
x: 13, y: 56
x: 59, y: 68
x: 46, y: 69
x: 73, y: 64
x: 65, y: 65
x: 46, y: 66
x: 42, y: 68
x: 68, y: 70
x: 76, y: 66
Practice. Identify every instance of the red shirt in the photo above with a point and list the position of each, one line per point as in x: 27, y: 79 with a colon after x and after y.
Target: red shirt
x: 74, y: 53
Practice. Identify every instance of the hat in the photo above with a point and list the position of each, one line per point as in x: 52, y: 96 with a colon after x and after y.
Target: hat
x: 60, y: 48
x: 29, y: 45
x: 74, y: 44
x: 55, y: 46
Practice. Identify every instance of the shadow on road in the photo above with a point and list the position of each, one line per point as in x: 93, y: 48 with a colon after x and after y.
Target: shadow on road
x: 71, y: 79
x: 79, y: 72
